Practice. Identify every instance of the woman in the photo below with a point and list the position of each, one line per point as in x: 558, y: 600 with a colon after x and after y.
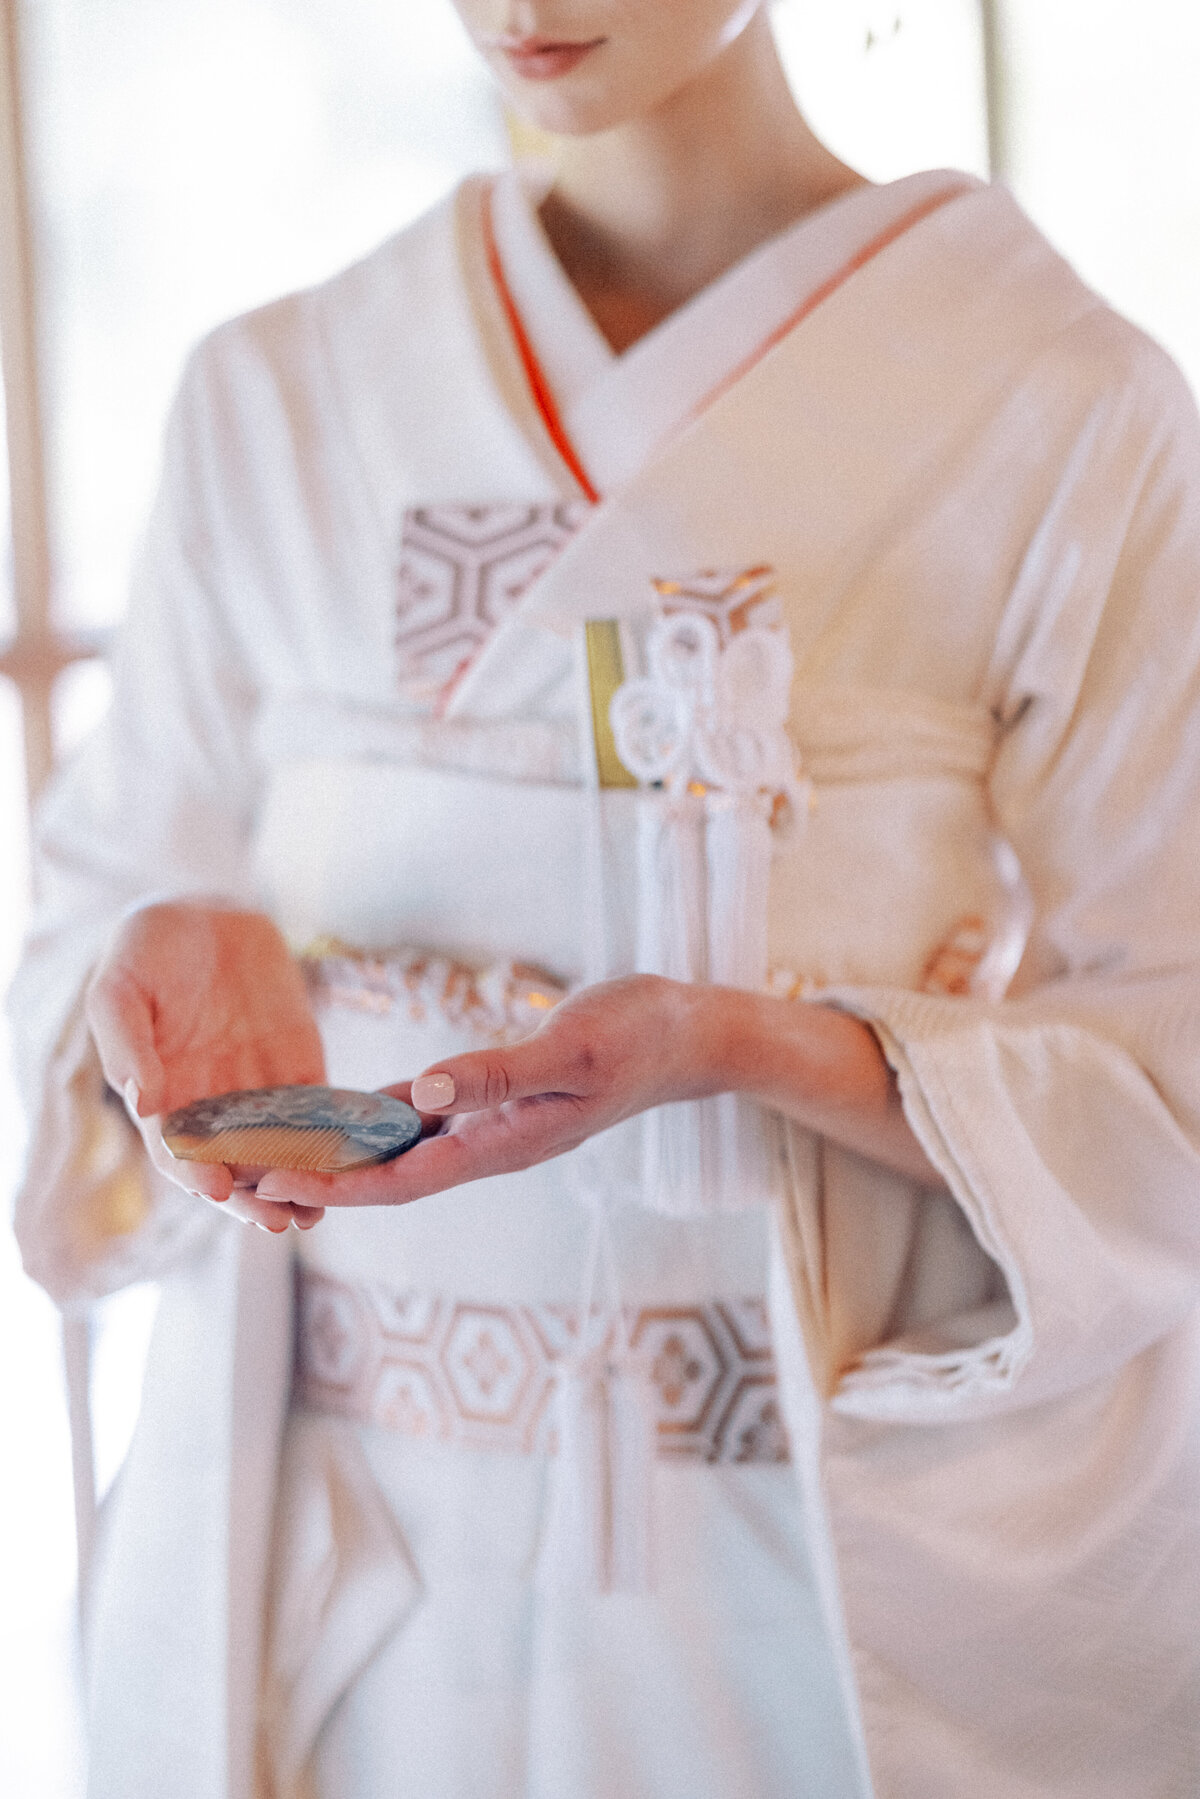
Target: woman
x: 866, y: 461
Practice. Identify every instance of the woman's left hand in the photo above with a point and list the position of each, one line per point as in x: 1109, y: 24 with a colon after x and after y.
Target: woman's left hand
x: 602, y: 1055
x: 616, y: 1049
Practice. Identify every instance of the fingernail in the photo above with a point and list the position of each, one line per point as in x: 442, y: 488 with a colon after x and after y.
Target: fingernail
x: 430, y: 1092
x: 265, y: 1190
x: 218, y: 1199
x: 133, y: 1096
x: 305, y: 1224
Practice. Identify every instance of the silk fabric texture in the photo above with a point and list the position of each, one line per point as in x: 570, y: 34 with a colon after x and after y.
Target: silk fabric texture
x: 980, y: 492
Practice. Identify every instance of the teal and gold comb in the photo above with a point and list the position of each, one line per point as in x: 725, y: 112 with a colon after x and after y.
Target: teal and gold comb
x: 324, y: 1130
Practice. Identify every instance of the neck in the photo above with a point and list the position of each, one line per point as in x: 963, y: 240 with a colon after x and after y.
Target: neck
x: 644, y: 216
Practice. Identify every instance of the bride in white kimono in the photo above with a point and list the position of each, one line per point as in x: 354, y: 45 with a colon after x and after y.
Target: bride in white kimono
x: 700, y: 658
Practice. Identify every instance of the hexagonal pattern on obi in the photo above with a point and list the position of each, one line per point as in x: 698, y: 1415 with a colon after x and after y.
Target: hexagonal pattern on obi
x: 462, y: 570
x: 483, y: 1375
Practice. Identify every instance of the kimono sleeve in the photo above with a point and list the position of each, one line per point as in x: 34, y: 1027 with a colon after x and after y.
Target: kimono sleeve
x: 1065, y: 1119
x: 157, y: 803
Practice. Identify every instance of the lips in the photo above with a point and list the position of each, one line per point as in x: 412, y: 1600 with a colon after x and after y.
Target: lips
x: 544, y: 59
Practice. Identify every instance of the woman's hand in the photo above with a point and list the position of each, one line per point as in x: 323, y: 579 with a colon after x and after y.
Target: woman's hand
x: 616, y: 1049
x: 607, y: 1052
x: 197, y: 998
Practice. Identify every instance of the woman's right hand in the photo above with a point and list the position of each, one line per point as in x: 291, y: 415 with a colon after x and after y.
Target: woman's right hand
x: 194, y: 998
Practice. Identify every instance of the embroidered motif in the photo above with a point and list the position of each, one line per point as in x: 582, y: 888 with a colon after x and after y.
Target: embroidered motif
x: 506, y: 1001
x: 712, y: 710
x: 730, y: 601
x: 462, y: 570
x: 483, y: 1376
x: 953, y: 966
x: 498, y: 1004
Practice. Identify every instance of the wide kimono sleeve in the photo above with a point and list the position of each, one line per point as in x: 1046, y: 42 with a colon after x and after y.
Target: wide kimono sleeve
x: 1065, y: 1119
x: 157, y: 803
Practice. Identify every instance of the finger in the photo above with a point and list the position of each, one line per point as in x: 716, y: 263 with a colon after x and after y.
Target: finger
x: 215, y: 1182
x: 412, y: 1176
x: 122, y: 1026
x: 486, y: 1078
x: 270, y: 1215
x: 212, y: 1180
x: 430, y: 1121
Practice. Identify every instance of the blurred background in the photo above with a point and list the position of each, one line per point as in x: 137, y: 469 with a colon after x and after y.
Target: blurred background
x: 164, y: 165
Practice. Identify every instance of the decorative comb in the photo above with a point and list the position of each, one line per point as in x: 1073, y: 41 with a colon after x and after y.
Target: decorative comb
x: 324, y: 1130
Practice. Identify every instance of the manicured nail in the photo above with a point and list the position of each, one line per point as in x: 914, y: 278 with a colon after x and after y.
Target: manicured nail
x: 305, y: 1224
x: 133, y: 1096
x: 265, y: 1190
x: 430, y: 1092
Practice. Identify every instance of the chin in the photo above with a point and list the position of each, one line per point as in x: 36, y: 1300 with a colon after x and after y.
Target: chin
x: 582, y: 110
x: 568, y: 108
x: 570, y: 121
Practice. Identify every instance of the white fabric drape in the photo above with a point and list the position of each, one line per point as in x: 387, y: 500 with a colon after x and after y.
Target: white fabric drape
x: 980, y: 494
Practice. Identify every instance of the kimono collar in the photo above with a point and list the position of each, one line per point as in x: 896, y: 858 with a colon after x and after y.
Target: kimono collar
x: 607, y: 413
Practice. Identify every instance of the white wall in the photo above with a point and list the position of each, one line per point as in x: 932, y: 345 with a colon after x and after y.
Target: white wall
x: 1105, y: 149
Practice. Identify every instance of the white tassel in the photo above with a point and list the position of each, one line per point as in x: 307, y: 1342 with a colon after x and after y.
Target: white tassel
x: 632, y: 1446
x: 738, y: 858
x: 672, y: 886
x: 710, y: 723
x: 574, y: 1550
x: 673, y: 941
x: 598, y: 1533
x: 677, y: 1159
x: 599, y: 1526
x: 711, y: 1155
x: 599, y: 1537
x: 739, y: 871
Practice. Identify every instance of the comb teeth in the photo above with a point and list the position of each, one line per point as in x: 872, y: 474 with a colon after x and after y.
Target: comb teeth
x: 270, y: 1146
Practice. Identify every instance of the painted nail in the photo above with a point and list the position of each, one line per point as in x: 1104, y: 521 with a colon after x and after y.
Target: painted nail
x: 430, y: 1092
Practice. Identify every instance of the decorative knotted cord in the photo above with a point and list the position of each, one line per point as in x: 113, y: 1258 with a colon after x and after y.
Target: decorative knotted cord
x: 705, y: 732
x: 600, y: 1528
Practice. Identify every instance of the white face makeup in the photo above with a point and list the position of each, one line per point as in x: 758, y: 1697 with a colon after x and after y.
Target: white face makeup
x: 579, y: 66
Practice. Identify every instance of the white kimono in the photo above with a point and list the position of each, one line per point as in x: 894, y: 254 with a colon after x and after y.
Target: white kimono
x: 980, y: 495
